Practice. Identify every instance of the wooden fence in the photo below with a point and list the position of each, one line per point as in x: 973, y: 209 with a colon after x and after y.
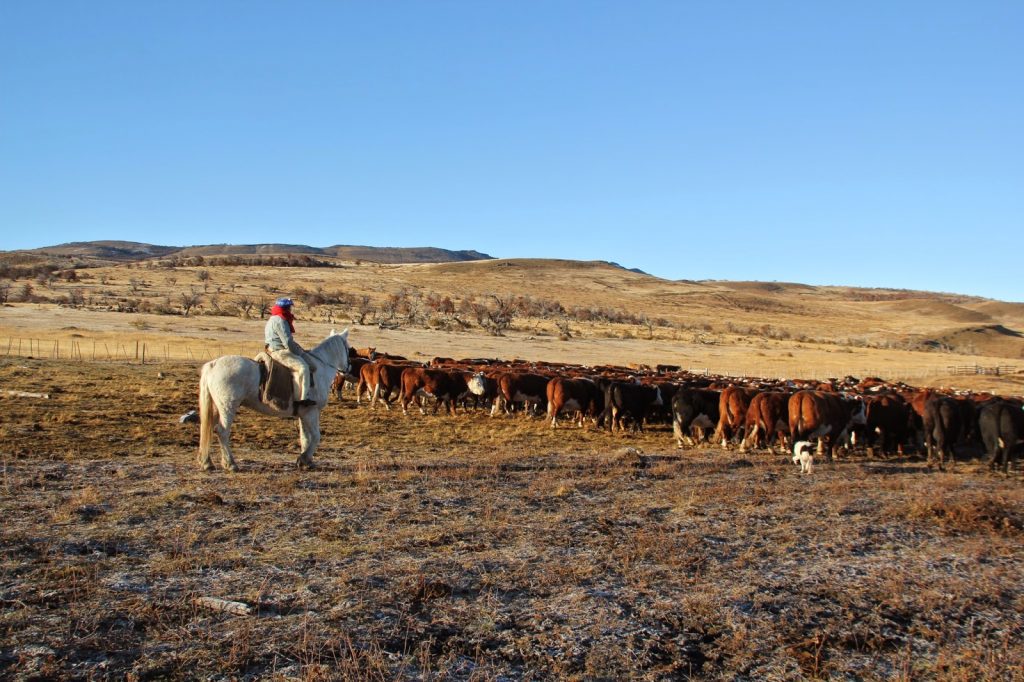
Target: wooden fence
x: 997, y: 370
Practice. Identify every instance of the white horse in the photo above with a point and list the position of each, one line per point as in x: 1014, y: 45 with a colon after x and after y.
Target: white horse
x: 232, y: 381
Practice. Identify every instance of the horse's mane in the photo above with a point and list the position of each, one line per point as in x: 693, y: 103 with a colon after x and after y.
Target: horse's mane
x: 332, y: 340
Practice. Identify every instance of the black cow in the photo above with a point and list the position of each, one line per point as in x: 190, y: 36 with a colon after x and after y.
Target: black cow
x: 694, y: 409
x: 889, y: 421
x: 629, y: 401
x: 943, y: 424
x: 1001, y: 423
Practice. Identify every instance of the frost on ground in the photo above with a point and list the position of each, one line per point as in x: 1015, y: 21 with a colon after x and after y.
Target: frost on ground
x: 479, y: 548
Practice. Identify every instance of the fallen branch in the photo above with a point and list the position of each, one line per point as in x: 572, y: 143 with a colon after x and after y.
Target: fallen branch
x: 236, y: 607
x: 26, y: 394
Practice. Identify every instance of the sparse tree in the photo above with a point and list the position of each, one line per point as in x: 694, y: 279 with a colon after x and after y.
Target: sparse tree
x: 189, y: 300
x: 564, y: 332
x: 496, y: 317
x: 647, y: 324
x: 245, y: 305
x: 364, y: 308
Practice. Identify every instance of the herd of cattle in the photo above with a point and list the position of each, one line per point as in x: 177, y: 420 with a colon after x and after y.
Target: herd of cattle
x: 885, y: 416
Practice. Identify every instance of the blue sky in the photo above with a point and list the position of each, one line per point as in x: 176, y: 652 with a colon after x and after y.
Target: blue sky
x: 875, y: 144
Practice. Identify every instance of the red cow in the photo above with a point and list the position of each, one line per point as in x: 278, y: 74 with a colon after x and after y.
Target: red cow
x: 520, y: 387
x: 389, y: 381
x: 767, y: 420
x: 732, y: 410
x: 581, y: 395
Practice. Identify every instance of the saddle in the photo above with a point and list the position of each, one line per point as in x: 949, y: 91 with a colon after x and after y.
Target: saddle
x: 277, y: 383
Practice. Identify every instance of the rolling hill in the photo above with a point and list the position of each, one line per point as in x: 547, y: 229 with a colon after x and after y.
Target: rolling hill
x: 124, y: 251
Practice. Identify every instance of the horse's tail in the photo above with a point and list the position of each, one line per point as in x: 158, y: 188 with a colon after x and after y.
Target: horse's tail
x: 207, y: 416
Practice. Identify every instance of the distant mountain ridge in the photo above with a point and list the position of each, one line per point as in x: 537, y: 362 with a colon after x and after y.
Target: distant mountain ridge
x: 124, y: 251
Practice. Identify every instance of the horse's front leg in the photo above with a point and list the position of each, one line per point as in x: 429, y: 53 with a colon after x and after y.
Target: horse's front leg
x: 223, y: 429
x: 309, y: 437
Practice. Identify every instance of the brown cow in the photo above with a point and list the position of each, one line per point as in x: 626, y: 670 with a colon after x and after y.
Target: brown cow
x: 732, y: 410
x: 365, y: 353
x: 825, y: 416
x: 367, y: 381
x: 443, y: 386
x: 767, y: 421
x: 355, y: 366
x: 580, y: 395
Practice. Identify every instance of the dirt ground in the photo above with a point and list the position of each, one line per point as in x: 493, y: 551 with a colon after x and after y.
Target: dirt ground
x: 477, y: 548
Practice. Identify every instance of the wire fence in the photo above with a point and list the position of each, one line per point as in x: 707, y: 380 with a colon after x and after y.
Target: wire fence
x: 818, y: 374
x: 150, y: 352
x: 131, y: 351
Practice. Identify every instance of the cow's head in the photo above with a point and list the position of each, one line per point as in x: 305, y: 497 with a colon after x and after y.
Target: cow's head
x: 857, y: 408
x: 476, y: 384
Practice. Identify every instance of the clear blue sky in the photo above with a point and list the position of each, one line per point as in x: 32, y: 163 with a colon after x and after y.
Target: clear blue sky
x: 862, y: 143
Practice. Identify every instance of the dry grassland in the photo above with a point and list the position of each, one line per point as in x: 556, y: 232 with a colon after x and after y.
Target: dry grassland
x: 492, y: 549
x: 477, y: 548
x: 737, y: 328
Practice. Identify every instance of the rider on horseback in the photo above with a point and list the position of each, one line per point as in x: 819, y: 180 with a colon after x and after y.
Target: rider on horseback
x: 283, y: 348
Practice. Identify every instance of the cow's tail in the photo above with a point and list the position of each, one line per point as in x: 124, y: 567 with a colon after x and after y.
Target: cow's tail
x: 796, y: 426
x: 207, y: 416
